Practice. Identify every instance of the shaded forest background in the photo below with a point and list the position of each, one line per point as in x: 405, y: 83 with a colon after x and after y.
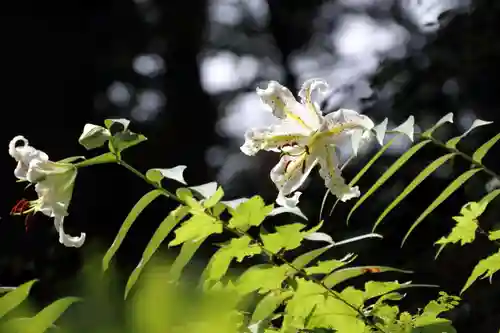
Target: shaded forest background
x: 184, y: 72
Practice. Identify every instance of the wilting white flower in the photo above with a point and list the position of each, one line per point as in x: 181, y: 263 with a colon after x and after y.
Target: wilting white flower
x: 305, y: 137
x: 54, y: 182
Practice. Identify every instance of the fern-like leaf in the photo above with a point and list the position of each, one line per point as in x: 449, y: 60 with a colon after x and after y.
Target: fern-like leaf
x: 187, y: 252
x: 419, y: 179
x: 485, y: 147
x: 388, y: 173
x: 12, y: 299
x: 159, y: 236
x: 46, y: 318
x: 485, y: 268
x: 344, y: 274
x: 452, y: 187
x: 269, y: 303
x: 129, y: 220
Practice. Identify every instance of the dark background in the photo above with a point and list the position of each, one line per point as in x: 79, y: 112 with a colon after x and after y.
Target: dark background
x: 64, y: 65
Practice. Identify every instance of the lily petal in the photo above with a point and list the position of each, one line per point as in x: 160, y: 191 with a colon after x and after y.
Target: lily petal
x: 330, y: 172
x: 273, y: 138
x: 291, y: 172
x: 305, y: 94
x: 65, y: 239
x: 346, y: 124
x: 289, y: 202
x: 284, y: 106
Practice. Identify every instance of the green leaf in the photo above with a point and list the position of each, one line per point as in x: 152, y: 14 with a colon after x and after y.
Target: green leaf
x: 186, y: 196
x: 371, y: 162
x: 129, y: 220
x: 159, y: 236
x: 262, y: 278
x: 15, y: 297
x: 94, y: 136
x: 452, y: 143
x: 304, y: 259
x: 465, y: 229
x: 452, y: 187
x: 214, y: 199
x: 238, y: 248
x: 71, y: 159
x: 188, y: 250
x: 490, y: 197
x: 485, y: 268
x: 249, y: 213
x: 419, y: 179
x: 175, y: 173
x: 494, y: 235
x: 448, y: 118
x: 123, y: 140
x: 325, y: 267
x: 196, y: 228
x: 485, y: 147
x: 464, y: 232
x: 286, y: 237
x: 269, y: 303
x: 344, y: 274
x: 375, y: 289
x: 307, y: 297
x: 101, y: 159
x: 45, y: 319
x: 388, y: 173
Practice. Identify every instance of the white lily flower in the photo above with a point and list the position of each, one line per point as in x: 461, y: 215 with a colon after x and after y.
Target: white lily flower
x: 54, y: 184
x: 306, y: 137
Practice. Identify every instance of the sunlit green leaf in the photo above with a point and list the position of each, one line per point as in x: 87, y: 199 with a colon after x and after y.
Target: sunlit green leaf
x: 188, y: 249
x: 304, y: 259
x: 238, y: 248
x: 485, y: 268
x: 388, y: 173
x: 408, y: 189
x: 249, y: 213
x: 94, y: 136
x: 12, y: 299
x: 101, y: 159
x: 196, y: 228
x: 214, y: 199
x: 286, y: 237
x: 452, y: 143
x: 262, y: 278
x: 452, y: 187
x: 344, y: 274
x: 159, y: 236
x: 44, y: 319
x: 269, y: 303
x: 485, y: 147
x: 325, y: 267
x: 129, y: 220
x: 123, y: 140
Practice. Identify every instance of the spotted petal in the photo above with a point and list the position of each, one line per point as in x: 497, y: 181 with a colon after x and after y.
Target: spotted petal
x: 284, y: 106
x: 330, y: 172
x: 346, y: 124
x: 273, y: 138
x: 306, y: 92
x: 291, y: 172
